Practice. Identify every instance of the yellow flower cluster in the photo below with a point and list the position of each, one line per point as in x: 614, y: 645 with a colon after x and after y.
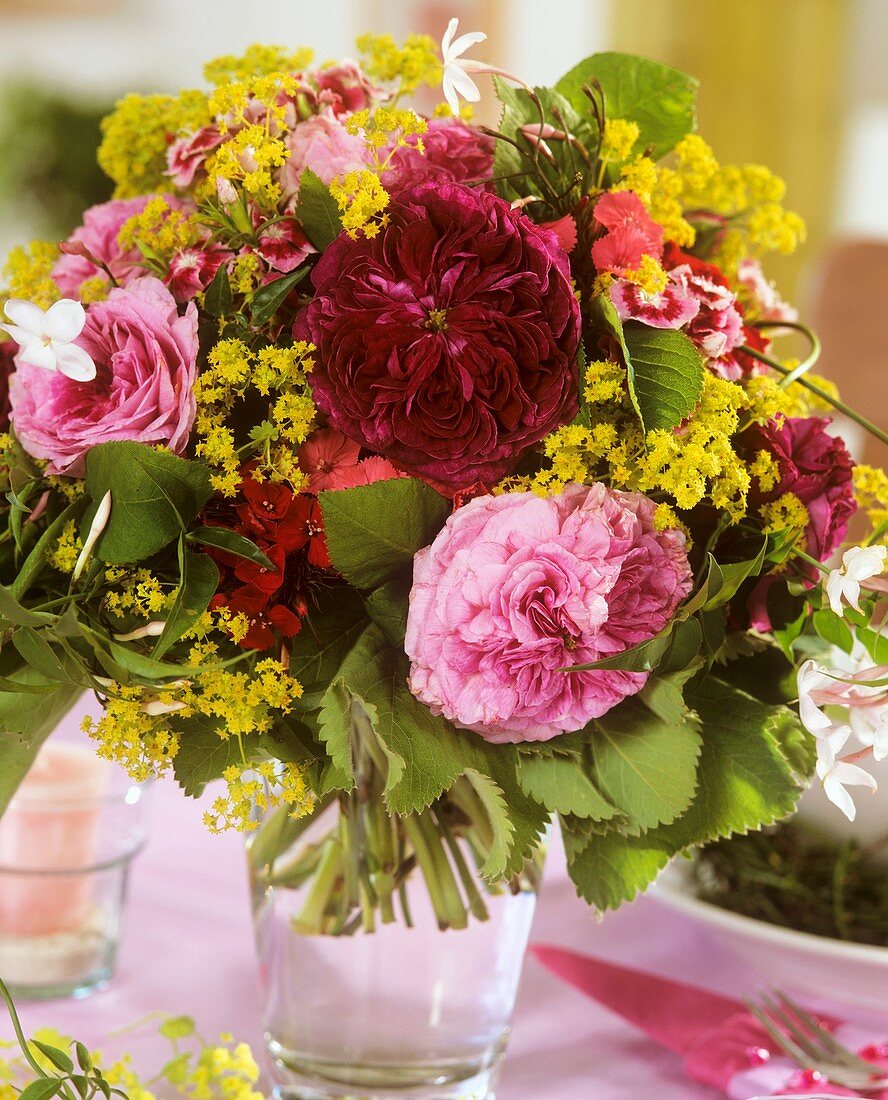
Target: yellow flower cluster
x: 620, y: 136
x: 660, y: 190
x: 275, y: 372
x: 786, y: 512
x: 362, y: 201
x: 218, y: 1071
x: 141, y: 743
x: 261, y: 787
x: 159, y: 231
x: 698, y: 463
x: 138, y: 729
x: 871, y: 490
x: 800, y: 401
x: 257, y: 60
x: 28, y: 273
x: 136, y: 592
x: 136, y: 138
x: 63, y: 556
x: 408, y: 66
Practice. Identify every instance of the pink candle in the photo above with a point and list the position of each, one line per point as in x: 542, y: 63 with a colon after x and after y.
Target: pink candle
x: 52, y: 825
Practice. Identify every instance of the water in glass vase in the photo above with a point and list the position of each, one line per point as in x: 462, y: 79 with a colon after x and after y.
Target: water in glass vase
x: 389, y: 968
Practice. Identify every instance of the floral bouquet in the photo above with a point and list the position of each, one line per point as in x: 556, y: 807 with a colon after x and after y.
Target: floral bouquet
x: 436, y: 479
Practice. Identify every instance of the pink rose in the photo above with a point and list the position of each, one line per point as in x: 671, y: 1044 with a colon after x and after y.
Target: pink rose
x: 453, y: 151
x: 146, y: 359
x: 345, y: 88
x: 516, y: 587
x: 97, y: 237
x: 322, y: 144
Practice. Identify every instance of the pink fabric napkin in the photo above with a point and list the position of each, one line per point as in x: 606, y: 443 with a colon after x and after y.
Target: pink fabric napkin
x: 719, y: 1040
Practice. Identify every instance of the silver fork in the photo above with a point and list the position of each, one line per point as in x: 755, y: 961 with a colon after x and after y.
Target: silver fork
x: 806, y: 1041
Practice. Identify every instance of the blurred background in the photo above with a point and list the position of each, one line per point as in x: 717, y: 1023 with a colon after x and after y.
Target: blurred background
x: 800, y: 85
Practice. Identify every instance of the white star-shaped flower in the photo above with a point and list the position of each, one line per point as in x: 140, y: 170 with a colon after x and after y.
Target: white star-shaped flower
x: 859, y: 563
x: 456, y: 81
x: 46, y: 337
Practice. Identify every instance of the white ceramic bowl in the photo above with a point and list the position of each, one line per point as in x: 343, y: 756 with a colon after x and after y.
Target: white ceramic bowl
x: 845, y: 973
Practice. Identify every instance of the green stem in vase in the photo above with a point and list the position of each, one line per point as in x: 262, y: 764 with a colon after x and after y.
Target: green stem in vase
x: 311, y: 918
x: 439, y: 879
x: 468, y: 879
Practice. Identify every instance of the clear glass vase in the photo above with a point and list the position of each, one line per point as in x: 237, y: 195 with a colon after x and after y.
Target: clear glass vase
x: 389, y: 968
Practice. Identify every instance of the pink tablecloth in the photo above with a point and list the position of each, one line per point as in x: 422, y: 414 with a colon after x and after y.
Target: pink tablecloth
x: 188, y: 949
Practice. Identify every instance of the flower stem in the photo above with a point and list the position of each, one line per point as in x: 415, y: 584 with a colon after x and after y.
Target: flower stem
x: 838, y: 405
x: 311, y: 917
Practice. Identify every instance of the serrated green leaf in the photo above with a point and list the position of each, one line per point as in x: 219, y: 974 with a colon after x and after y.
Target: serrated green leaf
x: 374, y: 531
x: 203, y: 756
x: 425, y: 753
x: 218, y: 297
x: 268, y: 299
x: 223, y: 538
x: 495, y: 806
x: 334, y: 729
x: 327, y: 636
x: 317, y: 211
x: 388, y: 605
x: 609, y: 869
x: 665, y: 375
x: 154, y: 496
x: 645, y: 766
x: 560, y: 783
x: 660, y: 99
x: 516, y: 169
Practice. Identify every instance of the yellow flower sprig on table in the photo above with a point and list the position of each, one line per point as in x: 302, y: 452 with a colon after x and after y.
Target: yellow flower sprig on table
x: 196, y: 1069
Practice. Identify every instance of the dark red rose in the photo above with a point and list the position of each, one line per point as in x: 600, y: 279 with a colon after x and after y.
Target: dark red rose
x: 453, y: 151
x: 448, y: 342
x: 816, y: 467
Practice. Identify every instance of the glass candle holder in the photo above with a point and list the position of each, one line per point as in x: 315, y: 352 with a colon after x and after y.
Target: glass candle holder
x: 66, y: 844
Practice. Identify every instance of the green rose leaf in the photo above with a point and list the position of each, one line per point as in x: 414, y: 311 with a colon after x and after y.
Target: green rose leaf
x: 373, y: 531
x: 388, y: 605
x: 317, y: 211
x: 562, y: 785
x: 611, y: 868
x: 745, y: 780
x: 327, y: 636
x: 496, y: 807
x: 154, y: 497
x: 662, y: 100
x: 645, y: 766
x: 334, y: 729
x: 425, y: 753
x: 665, y: 375
x: 752, y: 757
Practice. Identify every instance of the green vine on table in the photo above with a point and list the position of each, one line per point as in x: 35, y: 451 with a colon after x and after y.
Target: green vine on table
x: 792, y: 877
x: 51, y: 1064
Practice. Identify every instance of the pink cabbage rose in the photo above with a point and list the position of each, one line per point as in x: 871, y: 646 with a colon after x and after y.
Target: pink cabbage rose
x: 516, y: 587
x: 97, y: 237
x: 453, y: 151
x: 146, y: 359
x: 322, y: 144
